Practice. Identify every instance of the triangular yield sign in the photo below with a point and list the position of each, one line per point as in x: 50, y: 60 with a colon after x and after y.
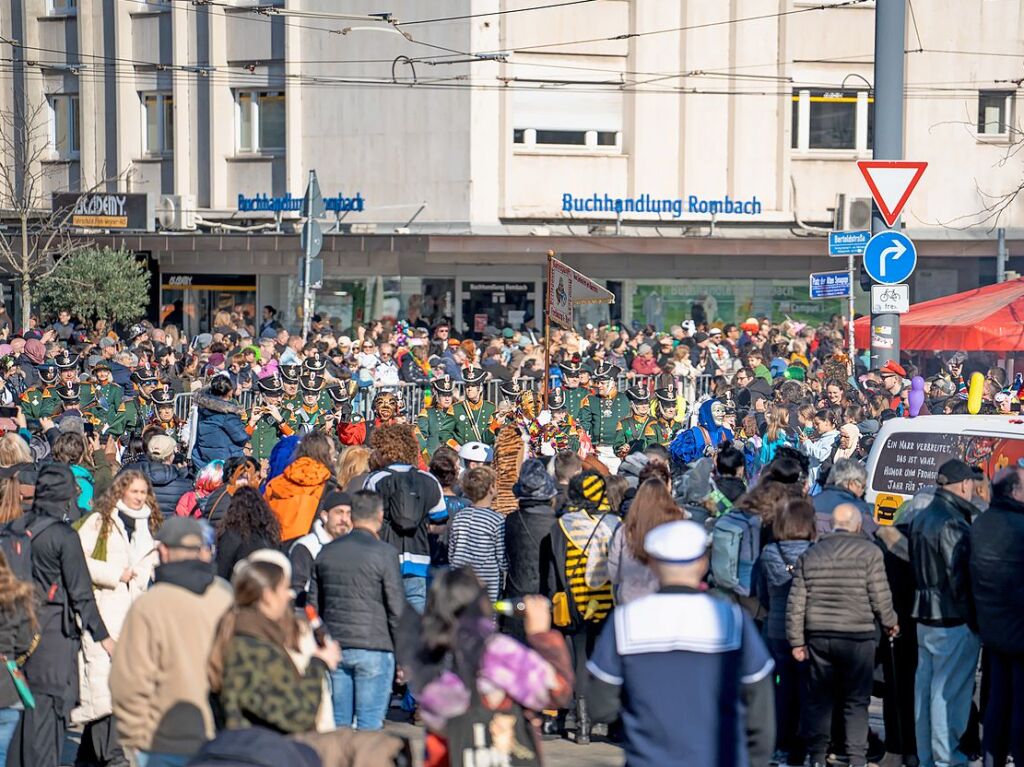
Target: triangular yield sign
x: 891, y: 183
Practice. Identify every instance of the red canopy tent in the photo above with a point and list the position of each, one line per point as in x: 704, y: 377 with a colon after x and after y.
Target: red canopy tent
x: 987, y: 319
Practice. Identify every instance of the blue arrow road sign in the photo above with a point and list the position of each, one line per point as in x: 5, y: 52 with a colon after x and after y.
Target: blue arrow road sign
x: 847, y: 243
x: 829, y: 285
x: 890, y: 258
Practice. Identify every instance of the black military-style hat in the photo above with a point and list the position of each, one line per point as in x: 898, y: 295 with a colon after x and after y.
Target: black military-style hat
x: 271, y: 384
x: 338, y: 394
x: 571, y: 366
x: 474, y: 376
x: 311, y: 381
x: 443, y: 386
x: 48, y: 372
x: 290, y: 373
x: 316, y: 363
x: 65, y: 360
x: 556, y: 399
x: 69, y: 392
x: 163, y: 396
x: 510, y: 389
x: 605, y: 371
x: 145, y: 376
x: 638, y: 395
x: 666, y: 396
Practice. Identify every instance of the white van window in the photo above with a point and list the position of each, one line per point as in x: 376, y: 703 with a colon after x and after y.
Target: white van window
x: 909, y: 460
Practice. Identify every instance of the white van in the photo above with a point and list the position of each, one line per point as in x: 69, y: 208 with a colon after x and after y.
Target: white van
x: 908, y: 452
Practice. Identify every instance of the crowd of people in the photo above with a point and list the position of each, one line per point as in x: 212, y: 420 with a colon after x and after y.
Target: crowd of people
x: 246, y: 548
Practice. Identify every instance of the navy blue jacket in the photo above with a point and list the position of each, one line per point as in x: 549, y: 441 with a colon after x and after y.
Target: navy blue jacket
x: 220, y: 432
x: 169, y: 483
x: 773, y: 578
x: 833, y: 495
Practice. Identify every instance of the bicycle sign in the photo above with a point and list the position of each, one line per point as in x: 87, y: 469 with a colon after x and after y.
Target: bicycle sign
x: 890, y: 299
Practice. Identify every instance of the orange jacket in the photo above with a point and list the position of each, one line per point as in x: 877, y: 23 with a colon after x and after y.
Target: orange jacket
x: 294, y: 495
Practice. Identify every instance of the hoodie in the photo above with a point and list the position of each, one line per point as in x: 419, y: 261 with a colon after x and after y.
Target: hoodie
x: 295, y: 495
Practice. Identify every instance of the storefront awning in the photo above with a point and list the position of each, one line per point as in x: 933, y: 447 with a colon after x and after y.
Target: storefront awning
x: 985, y: 319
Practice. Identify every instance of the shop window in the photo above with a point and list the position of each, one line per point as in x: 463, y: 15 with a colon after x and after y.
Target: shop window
x: 555, y: 119
x: 158, y: 118
x: 260, y: 119
x: 65, y: 132
x: 994, y: 113
x: 832, y: 120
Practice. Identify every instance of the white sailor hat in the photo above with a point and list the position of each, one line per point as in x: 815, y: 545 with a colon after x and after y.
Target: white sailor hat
x: 475, y: 451
x: 676, y: 542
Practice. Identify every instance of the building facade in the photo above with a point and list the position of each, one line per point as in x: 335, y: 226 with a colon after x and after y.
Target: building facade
x: 681, y: 151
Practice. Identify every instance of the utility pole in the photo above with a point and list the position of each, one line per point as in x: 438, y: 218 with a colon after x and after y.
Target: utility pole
x: 890, y: 34
x: 1001, y: 255
x: 311, y: 266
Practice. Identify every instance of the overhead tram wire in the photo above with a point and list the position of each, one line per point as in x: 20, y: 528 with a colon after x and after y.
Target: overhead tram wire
x: 459, y: 84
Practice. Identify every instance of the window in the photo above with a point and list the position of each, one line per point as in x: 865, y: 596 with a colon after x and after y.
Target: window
x: 564, y: 137
x: 64, y: 126
x: 62, y: 6
x: 572, y: 121
x: 994, y: 113
x: 158, y: 117
x: 261, y: 121
x: 832, y: 120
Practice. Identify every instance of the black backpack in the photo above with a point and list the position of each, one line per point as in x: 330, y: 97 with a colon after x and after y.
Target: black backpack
x: 16, y: 544
x: 408, y: 496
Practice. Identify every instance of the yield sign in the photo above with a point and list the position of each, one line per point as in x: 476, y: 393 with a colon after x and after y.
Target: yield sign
x: 891, y: 183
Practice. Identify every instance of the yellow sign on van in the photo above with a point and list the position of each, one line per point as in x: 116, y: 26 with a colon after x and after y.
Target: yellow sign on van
x: 886, y: 505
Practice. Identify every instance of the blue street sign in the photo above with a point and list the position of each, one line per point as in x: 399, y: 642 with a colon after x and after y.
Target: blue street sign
x: 890, y: 258
x: 847, y: 243
x: 829, y: 285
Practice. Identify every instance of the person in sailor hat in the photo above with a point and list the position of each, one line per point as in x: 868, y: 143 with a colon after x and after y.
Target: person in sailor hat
x: 681, y: 638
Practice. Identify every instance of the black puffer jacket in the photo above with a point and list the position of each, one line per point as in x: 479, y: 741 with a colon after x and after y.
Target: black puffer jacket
x: 169, y: 483
x: 526, y: 534
x: 940, y: 550
x: 997, y: 575
x: 357, y: 590
x: 839, y: 588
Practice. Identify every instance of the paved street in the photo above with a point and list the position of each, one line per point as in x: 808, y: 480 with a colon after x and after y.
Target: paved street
x: 557, y: 753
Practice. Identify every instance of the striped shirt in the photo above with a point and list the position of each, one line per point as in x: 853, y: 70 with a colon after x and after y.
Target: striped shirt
x: 476, y: 539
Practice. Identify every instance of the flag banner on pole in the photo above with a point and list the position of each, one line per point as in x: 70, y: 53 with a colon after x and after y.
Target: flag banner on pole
x: 568, y: 288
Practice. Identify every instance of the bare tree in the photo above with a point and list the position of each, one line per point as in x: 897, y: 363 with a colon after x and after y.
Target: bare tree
x: 43, y: 236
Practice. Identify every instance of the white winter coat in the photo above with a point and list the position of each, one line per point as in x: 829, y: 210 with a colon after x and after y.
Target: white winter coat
x: 113, y: 599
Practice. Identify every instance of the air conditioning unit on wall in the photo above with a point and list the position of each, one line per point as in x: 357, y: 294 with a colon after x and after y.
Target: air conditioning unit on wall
x: 177, y: 212
x: 852, y: 212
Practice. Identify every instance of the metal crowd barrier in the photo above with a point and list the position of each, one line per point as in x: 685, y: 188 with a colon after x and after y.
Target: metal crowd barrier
x: 412, y: 395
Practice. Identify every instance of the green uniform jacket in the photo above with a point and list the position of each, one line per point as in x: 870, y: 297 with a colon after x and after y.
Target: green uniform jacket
x: 303, y: 420
x: 289, y: 405
x: 265, y: 434
x: 431, y: 424
x: 632, y: 429
x: 601, y: 415
x: 666, y: 431
x: 39, y: 402
x: 575, y: 400
x: 470, y: 424
x: 109, y: 395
